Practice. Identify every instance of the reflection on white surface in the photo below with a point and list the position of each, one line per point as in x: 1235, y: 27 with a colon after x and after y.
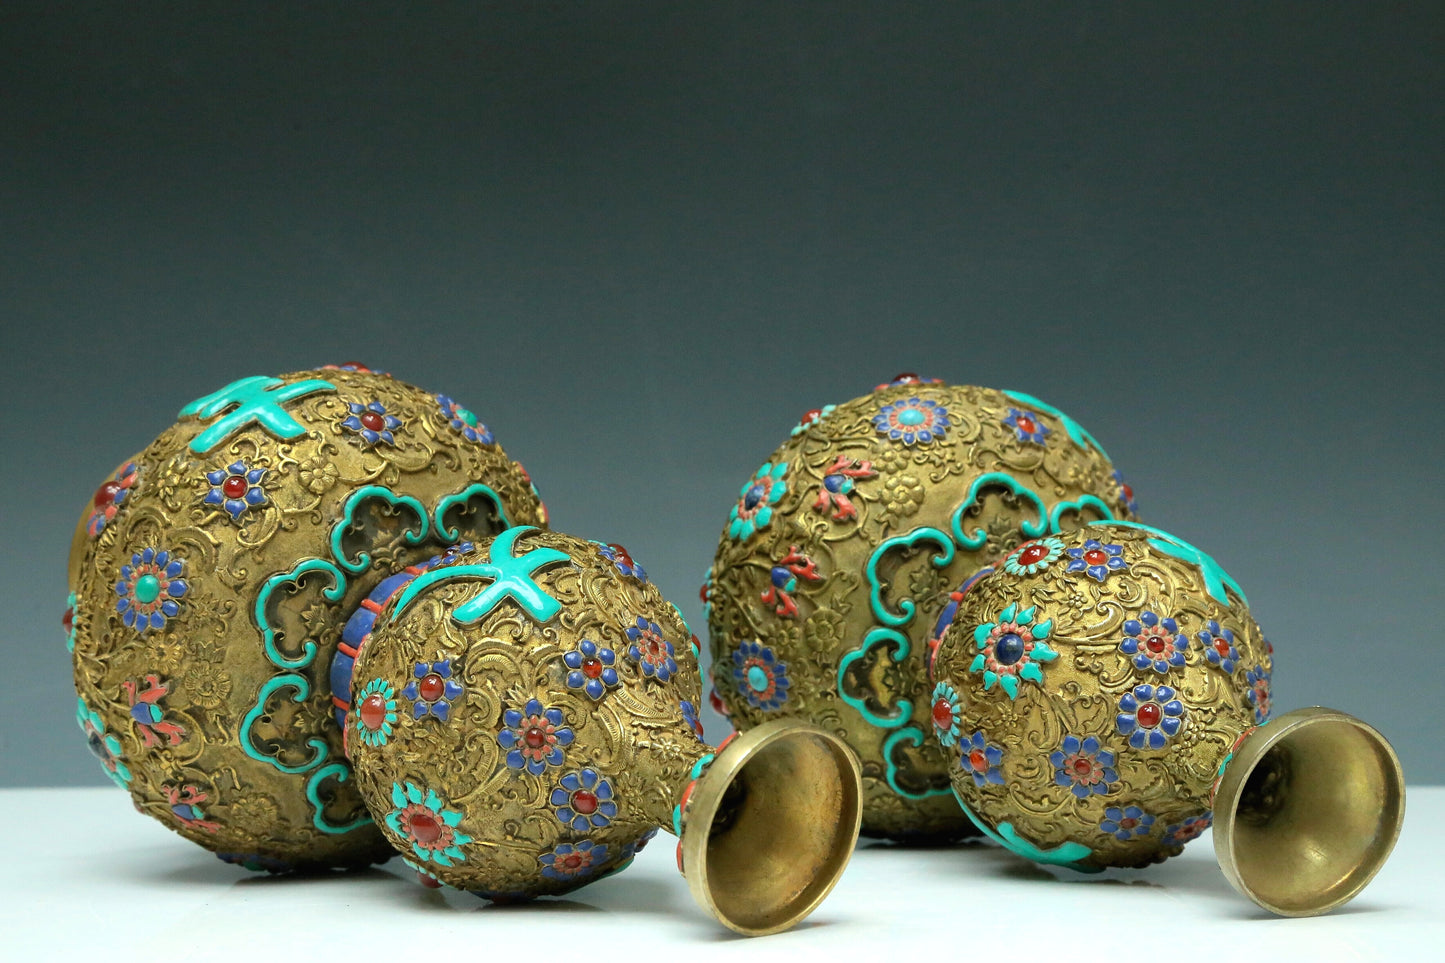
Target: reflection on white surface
x: 89, y: 878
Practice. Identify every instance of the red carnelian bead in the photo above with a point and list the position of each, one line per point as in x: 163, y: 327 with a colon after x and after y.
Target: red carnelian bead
x: 1096, y: 556
x: 1027, y: 425
x: 1083, y: 767
x: 1150, y: 714
x: 371, y: 420
x: 425, y: 828
x: 943, y: 714
x: 1155, y: 644
x: 68, y: 620
x: 592, y: 668
x: 978, y: 760
x: 234, y: 487
x: 372, y: 711
x: 584, y: 802
x: 1032, y: 553
x: 106, y: 493
x: 905, y: 376
x: 431, y: 687
x: 572, y: 861
x: 535, y: 738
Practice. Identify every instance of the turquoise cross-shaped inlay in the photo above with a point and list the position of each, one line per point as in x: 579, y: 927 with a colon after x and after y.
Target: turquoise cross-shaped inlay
x: 1215, y: 577
x: 511, y: 577
x: 254, y: 399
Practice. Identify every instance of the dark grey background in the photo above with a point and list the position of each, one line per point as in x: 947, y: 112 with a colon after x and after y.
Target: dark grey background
x: 641, y: 240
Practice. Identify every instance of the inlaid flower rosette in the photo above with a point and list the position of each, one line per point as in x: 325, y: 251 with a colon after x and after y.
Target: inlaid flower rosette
x: 566, y: 741
x: 1108, y: 694
x: 840, y: 552
x: 213, y: 572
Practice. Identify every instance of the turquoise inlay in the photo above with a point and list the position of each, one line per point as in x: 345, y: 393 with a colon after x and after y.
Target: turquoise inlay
x: 1032, y: 529
x: 906, y: 610
x: 147, y: 588
x: 461, y: 498
x: 901, y: 647
x: 255, y: 399
x: 757, y: 678
x: 1219, y: 773
x: 1068, y: 854
x: 1041, y: 652
x: 510, y: 575
x: 875, y: 590
x: 699, y: 766
x: 1215, y: 577
x: 685, y: 627
x: 914, y: 737
x: 340, y: 772
x: 273, y: 685
x: 355, y: 501
x: 911, y: 416
x: 1076, y: 431
x: 1085, y: 501
x: 293, y: 577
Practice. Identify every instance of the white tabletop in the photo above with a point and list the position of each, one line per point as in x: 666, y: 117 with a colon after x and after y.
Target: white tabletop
x: 87, y: 878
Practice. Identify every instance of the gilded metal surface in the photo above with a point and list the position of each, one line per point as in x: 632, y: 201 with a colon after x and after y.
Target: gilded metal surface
x: 1089, y: 698
x: 841, y: 551
x: 211, y: 578
x: 524, y: 719
x: 568, y: 734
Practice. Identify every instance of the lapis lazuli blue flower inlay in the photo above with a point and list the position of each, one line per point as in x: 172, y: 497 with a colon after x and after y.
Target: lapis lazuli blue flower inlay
x: 591, y: 668
x: 534, y: 737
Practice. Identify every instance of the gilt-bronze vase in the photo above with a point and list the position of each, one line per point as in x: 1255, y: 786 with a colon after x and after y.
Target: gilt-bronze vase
x: 211, y: 576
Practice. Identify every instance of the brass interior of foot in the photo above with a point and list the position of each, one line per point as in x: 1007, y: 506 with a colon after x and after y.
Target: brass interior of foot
x: 771, y: 826
x: 1308, y: 814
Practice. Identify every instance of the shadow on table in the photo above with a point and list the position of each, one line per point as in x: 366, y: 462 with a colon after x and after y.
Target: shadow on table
x: 194, y: 868
x: 1195, y: 877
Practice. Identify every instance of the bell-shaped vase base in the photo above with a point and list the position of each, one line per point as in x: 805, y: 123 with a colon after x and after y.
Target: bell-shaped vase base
x: 768, y: 827
x: 1307, y: 810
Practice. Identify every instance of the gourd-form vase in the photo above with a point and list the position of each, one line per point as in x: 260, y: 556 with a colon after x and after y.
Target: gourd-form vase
x: 523, y: 718
x: 211, y: 577
x: 1102, y: 706
x: 839, y: 555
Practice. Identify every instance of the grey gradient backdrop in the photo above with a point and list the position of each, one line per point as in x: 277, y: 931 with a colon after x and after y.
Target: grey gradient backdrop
x: 641, y: 240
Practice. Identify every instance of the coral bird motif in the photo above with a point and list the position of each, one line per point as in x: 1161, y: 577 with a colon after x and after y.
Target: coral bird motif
x: 148, y: 716
x: 784, y: 581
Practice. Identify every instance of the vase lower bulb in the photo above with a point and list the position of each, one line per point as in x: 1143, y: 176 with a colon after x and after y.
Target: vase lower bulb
x: 522, y: 717
x: 1102, y: 716
x: 833, y: 568
x: 210, y: 577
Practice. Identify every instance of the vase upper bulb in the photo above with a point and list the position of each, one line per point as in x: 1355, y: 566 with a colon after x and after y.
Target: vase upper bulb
x: 1107, y: 698
x: 522, y: 716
